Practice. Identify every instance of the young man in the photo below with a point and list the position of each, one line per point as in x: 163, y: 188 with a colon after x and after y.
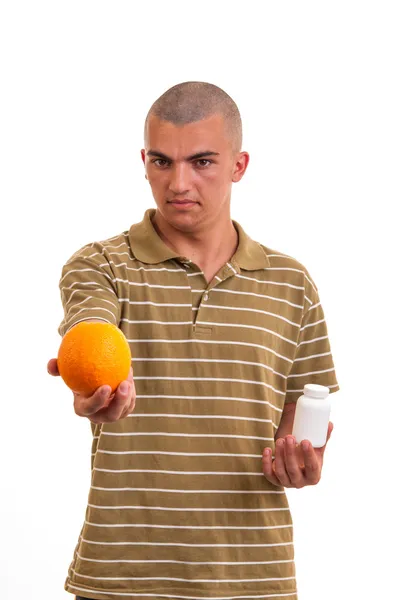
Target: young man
x: 185, y: 502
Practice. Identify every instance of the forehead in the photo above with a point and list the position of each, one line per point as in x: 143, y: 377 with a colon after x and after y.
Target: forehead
x: 182, y: 140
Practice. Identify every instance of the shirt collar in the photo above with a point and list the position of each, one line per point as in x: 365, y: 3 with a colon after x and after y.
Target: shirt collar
x: 149, y: 248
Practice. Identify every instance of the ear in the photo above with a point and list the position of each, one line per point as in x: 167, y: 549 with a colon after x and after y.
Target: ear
x: 240, y: 166
x: 143, y: 160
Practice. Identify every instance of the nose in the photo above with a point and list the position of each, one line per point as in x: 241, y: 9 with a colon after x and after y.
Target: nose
x: 179, y: 179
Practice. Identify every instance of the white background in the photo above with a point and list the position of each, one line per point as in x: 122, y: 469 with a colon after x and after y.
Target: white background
x: 316, y: 84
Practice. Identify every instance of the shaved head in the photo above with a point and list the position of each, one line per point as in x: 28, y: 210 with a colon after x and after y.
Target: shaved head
x: 193, y: 101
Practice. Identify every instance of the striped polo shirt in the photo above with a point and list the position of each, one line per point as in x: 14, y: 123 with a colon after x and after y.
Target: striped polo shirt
x: 178, y: 505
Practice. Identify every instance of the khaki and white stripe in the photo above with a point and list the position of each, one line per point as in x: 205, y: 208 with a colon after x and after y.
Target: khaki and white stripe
x: 178, y: 505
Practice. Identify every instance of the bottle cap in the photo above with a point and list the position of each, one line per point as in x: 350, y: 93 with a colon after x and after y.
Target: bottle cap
x: 316, y: 391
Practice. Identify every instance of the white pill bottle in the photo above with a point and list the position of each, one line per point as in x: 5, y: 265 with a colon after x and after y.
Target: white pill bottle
x: 312, y: 414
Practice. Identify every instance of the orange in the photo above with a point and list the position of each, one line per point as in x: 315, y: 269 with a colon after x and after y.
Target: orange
x: 92, y: 354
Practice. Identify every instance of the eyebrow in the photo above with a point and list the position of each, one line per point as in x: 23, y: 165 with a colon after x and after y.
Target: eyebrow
x: 192, y: 157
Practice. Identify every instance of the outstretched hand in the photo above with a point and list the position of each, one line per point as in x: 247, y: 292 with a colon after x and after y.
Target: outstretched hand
x: 295, y: 465
x: 103, y: 406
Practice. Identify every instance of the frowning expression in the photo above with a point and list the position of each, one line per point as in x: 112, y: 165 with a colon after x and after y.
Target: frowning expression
x: 190, y: 169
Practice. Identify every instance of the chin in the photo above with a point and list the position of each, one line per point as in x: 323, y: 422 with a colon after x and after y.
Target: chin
x: 183, y: 222
x: 186, y: 219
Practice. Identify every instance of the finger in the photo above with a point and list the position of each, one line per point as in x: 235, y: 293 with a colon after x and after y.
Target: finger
x: 292, y: 466
x: 267, y: 467
x: 120, y: 403
x: 110, y: 413
x: 279, y: 463
x: 133, y: 396
x: 131, y: 405
x: 312, y: 467
x: 300, y: 456
x: 85, y: 407
x: 52, y: 367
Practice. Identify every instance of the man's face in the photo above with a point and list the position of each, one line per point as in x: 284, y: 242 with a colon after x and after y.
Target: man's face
x: 195, y: 163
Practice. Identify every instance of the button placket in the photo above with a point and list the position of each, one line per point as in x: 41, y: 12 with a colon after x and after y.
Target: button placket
x: 223, y: 274
x: 187, y: 265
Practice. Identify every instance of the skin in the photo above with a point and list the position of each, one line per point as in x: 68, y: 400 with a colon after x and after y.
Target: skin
x: 204, y: 233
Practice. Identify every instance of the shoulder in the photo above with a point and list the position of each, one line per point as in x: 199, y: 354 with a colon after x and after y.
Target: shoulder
x: 101, y: 250
x: 295, y: 269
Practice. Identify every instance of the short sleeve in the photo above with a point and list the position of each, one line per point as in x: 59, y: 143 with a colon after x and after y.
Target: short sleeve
x: 88, y: 289
x: 313, y: 361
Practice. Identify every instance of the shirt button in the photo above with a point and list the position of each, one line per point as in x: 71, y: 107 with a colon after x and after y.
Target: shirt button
x: 206, y: 296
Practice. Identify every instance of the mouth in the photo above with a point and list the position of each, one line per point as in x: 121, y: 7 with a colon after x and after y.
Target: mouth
x: 182, y: 203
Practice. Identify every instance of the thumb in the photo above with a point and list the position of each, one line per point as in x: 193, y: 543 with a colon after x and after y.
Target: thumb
x: 52, y: 367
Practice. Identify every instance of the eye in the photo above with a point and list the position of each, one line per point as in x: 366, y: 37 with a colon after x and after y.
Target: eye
x: 157, y: 160
x: 204, y: 160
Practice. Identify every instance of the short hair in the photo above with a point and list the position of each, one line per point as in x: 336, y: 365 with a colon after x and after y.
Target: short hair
x: 192, y: 101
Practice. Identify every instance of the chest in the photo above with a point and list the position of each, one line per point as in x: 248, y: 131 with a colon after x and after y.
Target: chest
x: 180, y: 310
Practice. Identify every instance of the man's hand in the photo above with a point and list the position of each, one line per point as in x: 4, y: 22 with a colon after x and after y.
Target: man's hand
x: 103, y: 408
x: 295, y: 465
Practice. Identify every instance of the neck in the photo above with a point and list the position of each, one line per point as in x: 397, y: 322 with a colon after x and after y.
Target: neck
x: 216, y: 242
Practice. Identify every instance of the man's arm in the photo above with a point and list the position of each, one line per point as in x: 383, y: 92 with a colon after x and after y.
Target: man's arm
x: 88, y: 289
x: 286, y: 423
